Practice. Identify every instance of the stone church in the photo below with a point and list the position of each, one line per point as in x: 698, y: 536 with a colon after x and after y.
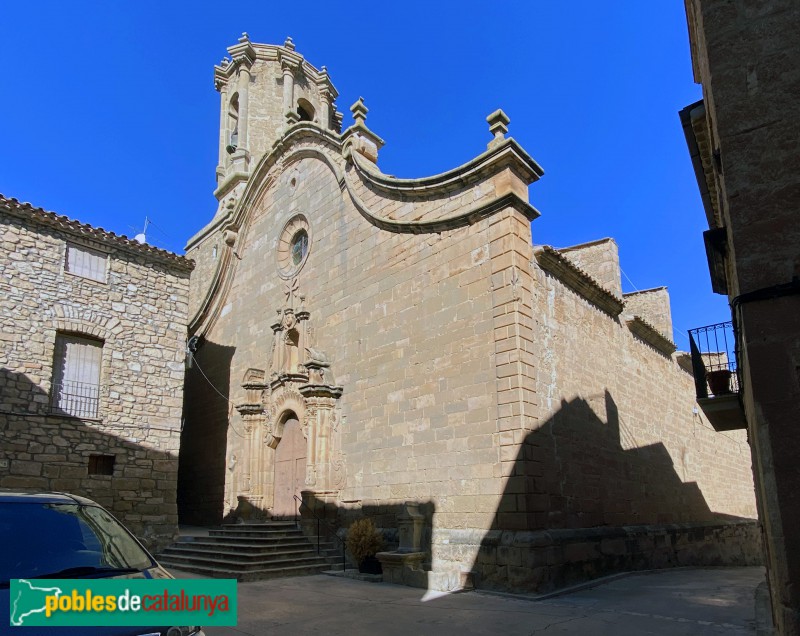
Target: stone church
x: 366, y: 343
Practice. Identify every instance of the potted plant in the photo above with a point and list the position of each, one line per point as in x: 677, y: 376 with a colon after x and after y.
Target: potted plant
x: 719, y: 381
x: 364, y: 542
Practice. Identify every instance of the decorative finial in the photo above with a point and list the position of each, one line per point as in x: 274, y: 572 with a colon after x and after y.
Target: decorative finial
x: 245, y: 37
x: 289, y: 44
x: 359, y: 111
x: 498, y: 126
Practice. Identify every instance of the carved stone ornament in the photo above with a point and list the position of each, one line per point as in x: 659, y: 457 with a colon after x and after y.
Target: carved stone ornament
x: 254, y: 384
x: 338, y: 472
x: 230, y: 237
x: 311, y: 475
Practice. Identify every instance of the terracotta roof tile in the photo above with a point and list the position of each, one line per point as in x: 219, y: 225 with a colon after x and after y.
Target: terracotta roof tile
x: 76, y: 228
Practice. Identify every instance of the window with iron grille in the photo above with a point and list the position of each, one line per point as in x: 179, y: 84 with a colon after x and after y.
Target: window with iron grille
x: 76, y: 376
x: 86, y: 262
x: 101, y: 464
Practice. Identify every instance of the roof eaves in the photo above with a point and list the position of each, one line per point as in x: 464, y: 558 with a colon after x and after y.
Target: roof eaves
x: 84, y: 230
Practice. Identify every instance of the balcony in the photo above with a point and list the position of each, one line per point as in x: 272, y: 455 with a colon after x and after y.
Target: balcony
x: 716, y: 375
x: 77, y: 399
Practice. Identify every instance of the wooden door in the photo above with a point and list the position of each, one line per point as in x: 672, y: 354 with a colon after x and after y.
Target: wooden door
x: 290, y: 469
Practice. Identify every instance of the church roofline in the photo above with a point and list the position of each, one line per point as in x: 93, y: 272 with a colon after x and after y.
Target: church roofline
x: 552, y: 261
x: 477, y: 169
x: 580, y: 246
x: 644, y: 291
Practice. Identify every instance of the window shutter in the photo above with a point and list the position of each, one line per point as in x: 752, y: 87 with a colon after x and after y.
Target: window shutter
x: 76, y: 375
x: 87, y: 263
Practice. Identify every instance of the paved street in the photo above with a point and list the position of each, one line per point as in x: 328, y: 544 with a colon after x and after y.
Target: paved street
x: 670, y: 602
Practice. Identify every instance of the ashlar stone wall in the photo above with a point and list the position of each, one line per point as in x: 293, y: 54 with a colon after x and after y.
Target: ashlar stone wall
x: 504, y: 389
x: 140, y: 315
x: 474, y: 382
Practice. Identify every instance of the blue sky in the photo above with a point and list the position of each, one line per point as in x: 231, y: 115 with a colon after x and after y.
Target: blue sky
x: 109, y: 112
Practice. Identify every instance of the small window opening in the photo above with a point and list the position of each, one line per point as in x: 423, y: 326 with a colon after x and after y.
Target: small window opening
x: 305, y: 110
x: 233, y: 125
x: 86, y: 263
x: 101, y: 464
x: 299, y: 247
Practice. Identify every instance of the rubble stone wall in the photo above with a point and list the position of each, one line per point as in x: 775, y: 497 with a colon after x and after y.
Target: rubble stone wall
x: 140, y: 315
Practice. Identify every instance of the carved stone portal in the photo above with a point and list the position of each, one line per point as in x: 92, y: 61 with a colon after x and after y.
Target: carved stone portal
x: 298, y: 387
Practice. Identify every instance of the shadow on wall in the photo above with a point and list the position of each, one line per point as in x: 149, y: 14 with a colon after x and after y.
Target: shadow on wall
x: 204, y: 438
x: 48, y: 449
x: 579, y: 505
x: 319, y: 514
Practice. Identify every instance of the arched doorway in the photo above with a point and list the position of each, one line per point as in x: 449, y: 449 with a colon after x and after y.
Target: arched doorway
x: 290, y: 467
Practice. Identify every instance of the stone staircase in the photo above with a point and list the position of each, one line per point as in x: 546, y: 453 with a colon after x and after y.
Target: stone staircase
x: 250, y: 552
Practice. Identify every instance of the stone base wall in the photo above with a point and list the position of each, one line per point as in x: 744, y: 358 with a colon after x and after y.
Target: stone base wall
x: 547, y: 560
x: 52, y: 453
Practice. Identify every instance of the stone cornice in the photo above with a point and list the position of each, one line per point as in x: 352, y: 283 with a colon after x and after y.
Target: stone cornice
x: 250, y: 52
x: 85, y: 232
x: 451, y: 222
x: 359, y: 130
x: 230, y: 182
x: 506, y: 154
x: 209, y: 310
x: 650, y: 335
x: 285, y: 151
x: 243, y: 52
x: 643, y: 291
x: 575, y: 278
x: 222, y: 73
x: 325, y: 85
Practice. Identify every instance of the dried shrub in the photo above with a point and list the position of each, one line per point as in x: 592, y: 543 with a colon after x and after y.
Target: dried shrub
x: 363, y: 540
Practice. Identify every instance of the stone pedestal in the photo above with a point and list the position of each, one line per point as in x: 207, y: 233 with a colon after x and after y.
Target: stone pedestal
x: 247, y: 510
x: 404, y: 568
x: 409, y: 525
x: 404, y: 565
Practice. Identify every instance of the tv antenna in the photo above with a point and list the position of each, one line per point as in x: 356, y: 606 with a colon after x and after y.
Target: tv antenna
x: 141, y: 237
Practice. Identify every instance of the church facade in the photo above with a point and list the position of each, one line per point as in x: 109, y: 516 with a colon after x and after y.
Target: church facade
x: 366, y: 344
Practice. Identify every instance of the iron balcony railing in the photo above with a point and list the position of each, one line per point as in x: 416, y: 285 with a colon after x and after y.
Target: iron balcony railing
x: 78, y: 399
x: 715, y: 360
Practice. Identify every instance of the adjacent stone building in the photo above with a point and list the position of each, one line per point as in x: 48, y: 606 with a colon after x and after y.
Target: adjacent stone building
x: 92, y: 353
x: 364, y: 342
x: 743, y: 137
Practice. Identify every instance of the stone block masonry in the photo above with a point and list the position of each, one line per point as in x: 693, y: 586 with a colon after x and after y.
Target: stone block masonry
x: 374, y: 341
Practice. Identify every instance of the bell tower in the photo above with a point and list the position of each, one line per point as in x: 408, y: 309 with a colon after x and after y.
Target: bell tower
x: 264, y: 90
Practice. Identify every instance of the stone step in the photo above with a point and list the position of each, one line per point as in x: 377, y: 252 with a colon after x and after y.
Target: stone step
x: 182, y: 561
x: 247, y: 546
x: 252, y: 551
x: 261, y: 524
x: 256, y: 532
x: 250, y: 575
x: 238, y: 555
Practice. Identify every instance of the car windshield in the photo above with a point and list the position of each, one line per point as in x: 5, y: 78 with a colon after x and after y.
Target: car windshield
x: 68, y: 540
